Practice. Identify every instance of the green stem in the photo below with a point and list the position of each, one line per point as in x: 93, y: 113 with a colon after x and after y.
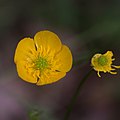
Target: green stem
x: 71, y: 105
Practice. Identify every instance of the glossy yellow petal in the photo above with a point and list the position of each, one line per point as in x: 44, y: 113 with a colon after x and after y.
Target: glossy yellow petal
x: 47, y: 39
x: 51, y: 79
x: 109, y: 54
x: 25, y: 47
x: 94, y: 60
x: 65, y: 59
x: 23, y: 73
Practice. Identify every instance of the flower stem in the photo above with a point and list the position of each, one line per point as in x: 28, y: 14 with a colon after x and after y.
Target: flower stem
x: 71, y: 105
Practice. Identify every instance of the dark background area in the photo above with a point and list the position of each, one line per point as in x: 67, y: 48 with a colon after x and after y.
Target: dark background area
x: 86, y: 27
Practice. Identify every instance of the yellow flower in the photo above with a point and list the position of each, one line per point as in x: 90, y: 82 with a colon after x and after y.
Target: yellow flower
x: 103, y: 63
x: 42, y: 60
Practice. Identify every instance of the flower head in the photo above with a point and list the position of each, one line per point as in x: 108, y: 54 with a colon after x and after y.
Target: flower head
x: 103, y: 63
x: 42, y: 60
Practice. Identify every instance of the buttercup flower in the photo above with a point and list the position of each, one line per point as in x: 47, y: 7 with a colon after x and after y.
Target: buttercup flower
x: 103, y: 63
x: 42, y: 60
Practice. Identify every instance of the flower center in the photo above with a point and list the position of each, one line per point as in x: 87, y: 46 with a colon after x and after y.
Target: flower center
x: 41, y: 63
x: 102, y: 60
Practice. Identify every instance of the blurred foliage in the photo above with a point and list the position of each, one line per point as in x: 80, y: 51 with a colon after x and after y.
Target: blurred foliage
x: 96, y: 22
x: 40, y: 114
x: 35, y: 114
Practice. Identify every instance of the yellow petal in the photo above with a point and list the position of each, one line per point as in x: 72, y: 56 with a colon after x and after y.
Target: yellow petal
x: 94, y: 60
x: 109, y: 55
x: 24, y: 47
x: 51, y: 79
x: 23, y: 73
x: 47, y: 39
x: 65, y: 59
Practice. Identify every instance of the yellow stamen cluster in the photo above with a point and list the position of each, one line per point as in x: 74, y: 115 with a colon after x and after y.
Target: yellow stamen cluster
x: 40, y: 63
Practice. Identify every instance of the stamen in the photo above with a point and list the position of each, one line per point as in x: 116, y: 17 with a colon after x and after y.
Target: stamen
x: 98, y: 74
x: 116, y: 66
x: 41, y: 63
x: 102, y: 60
x: 113, y: 72
x: 57, y: 70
